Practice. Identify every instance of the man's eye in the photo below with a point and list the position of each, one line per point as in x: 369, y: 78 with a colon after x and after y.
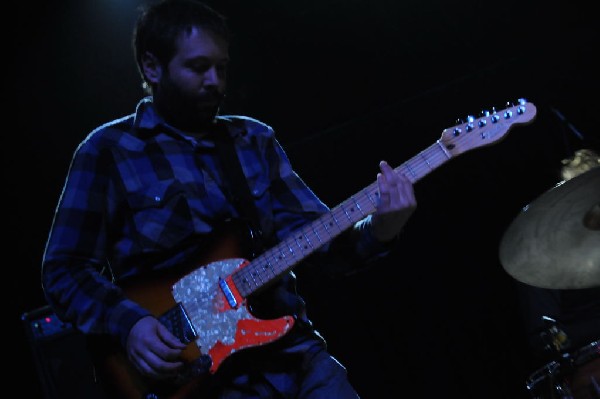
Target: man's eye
x: 200, y: 68
x: 221, y: 68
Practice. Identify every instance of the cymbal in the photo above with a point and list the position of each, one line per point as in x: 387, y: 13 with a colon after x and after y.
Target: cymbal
x: 555, y: 241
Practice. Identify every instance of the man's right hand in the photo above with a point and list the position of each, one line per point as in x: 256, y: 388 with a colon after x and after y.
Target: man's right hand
x: 153, y: 349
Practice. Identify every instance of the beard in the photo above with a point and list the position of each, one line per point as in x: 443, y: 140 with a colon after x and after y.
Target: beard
x: 190, y: 112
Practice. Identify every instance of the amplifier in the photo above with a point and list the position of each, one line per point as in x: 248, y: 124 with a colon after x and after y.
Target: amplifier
x: 41, y: 324
x: 60, y: 355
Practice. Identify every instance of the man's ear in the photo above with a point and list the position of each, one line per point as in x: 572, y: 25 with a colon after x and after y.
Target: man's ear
x: 151, y: 67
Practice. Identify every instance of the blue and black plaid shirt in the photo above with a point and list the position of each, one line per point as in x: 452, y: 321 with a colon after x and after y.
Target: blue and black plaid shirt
x: 140, y: 196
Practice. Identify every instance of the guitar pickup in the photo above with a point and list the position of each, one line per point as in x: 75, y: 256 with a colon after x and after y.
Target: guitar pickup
x: 227, y: 292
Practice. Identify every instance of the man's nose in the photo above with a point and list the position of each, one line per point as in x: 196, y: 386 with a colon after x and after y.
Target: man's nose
x: 211, y: 77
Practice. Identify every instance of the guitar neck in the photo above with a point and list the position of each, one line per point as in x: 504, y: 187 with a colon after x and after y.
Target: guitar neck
x: 289, y: 252
x: 485, y: 130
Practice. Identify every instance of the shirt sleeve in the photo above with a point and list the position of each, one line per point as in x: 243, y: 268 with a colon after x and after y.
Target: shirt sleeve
x: 75, y: 255
x: 295, y: 204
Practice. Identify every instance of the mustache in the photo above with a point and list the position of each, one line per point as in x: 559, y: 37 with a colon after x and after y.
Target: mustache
x: 211, y: 96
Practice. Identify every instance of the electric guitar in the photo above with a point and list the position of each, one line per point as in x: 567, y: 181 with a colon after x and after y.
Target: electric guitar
x: 205, y: 305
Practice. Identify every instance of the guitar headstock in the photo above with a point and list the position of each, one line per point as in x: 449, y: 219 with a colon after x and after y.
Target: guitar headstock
x: 489, y: 128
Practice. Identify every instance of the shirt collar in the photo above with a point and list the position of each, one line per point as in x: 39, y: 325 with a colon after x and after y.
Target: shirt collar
x: 148, y: 121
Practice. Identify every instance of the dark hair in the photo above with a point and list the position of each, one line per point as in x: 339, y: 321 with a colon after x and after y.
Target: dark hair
x: 161, y: 23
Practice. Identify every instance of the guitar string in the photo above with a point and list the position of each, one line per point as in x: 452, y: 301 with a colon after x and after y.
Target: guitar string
x: 415, y: 169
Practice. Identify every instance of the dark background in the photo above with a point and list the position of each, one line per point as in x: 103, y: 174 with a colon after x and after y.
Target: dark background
x: 345, y: 84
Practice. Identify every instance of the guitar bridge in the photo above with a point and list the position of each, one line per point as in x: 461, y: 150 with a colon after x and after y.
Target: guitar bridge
x: 177, y: 321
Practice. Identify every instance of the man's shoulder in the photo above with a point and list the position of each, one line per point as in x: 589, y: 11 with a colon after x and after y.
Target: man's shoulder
x: 249, y: 125
x: 119, y: 125
x: 109, y: 132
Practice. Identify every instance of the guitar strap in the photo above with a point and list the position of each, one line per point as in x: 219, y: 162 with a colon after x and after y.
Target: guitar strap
x: 235, y: 180
x: 264, y: 305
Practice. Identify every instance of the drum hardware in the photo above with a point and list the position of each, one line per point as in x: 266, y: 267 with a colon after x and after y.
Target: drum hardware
x: 573, y: 375
x: 554, y: 338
